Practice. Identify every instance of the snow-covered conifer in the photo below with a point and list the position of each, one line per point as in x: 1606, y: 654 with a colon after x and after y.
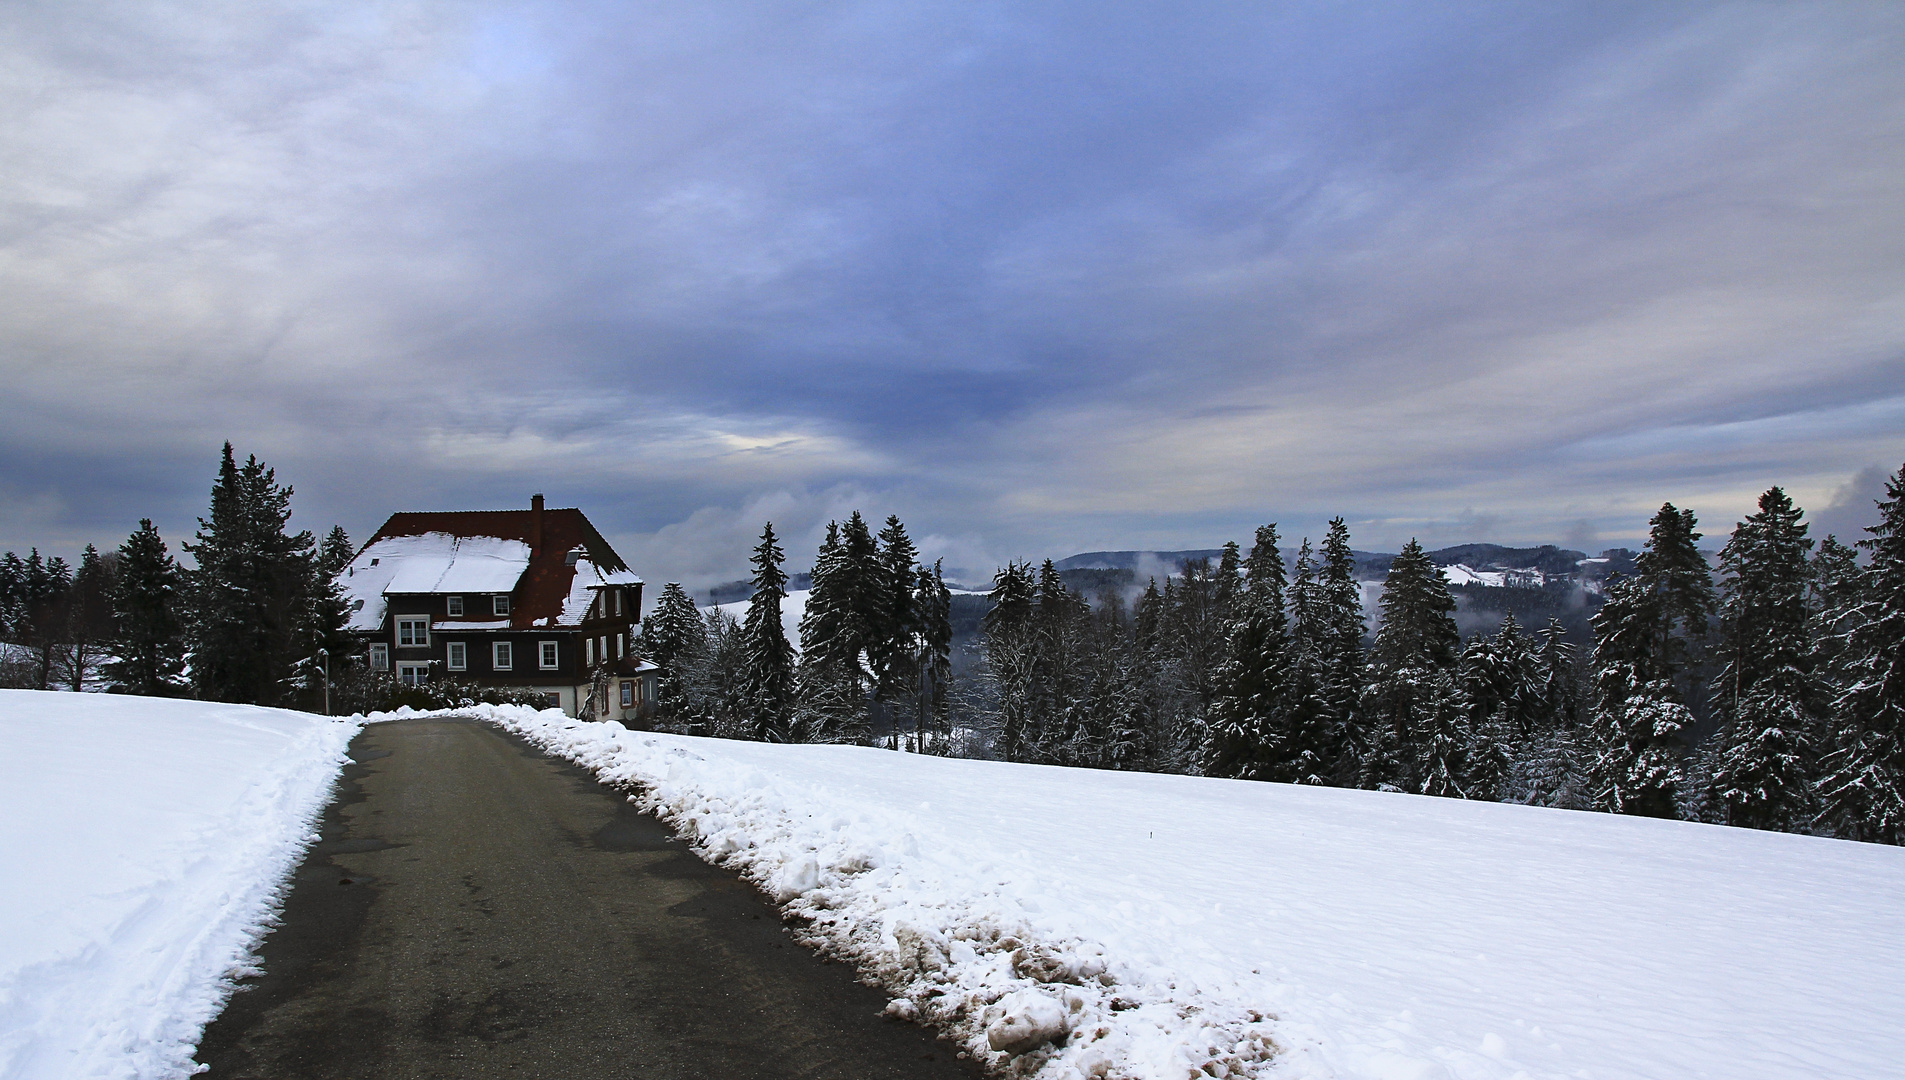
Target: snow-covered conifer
x: 1638, y: 720
x: 767, y: 664
x: 675, y: 639
x: 1248, y: 736
x: 1863, y: 790
x: 1011, y: 644
x: 151, y: 649
x: 1419, y: 735
x: 1765, y: 692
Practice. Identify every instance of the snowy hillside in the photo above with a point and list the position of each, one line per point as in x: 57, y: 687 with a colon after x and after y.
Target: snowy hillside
x: 143, y: 844
x: 1174, y: 924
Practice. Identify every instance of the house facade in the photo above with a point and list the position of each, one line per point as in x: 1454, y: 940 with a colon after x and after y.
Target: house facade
x: 534, y: 599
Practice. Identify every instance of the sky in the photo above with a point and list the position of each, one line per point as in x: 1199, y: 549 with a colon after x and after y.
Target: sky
x: 1037, y: 278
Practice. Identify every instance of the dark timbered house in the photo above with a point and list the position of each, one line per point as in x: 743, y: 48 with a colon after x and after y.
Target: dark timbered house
x: 525, y: 598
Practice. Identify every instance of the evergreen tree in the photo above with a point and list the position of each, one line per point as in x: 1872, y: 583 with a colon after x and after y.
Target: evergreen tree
x: 1638, y: 718
x: 88, y: 628
x: 893, y: 638
x: 847, y: 603
x: 767, y: 672
x: 1863, y: 792
x: 1765, y: 691
x: 1011, y: 644
x: 1340, y: 640
x: 1676, y: 576
x: 331, y: 615
x: 1249, y: 736
x: 38, y: 616
x: 151, y: 647
x: 675, y: 639
x: 932, y: 603
x: 251, y: 594
x: 1420, y: 738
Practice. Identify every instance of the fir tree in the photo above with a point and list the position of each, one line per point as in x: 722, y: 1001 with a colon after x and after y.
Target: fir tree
x: 1863, y: 792
x: 845, y: 605
x: 675, y: 639
x: 767, y: 672
x: 1011, y: 645
x: 1342, y: 629
x: 37, y: 615
x: 331, y: 616
x: 1249, y: 736
x: 1677, y: 578
x: 1765, y: 691
x: 1638, y: 718
x: 893, y: 632
x: 151, y: 647
x: 88, y: 627
x: 251, y: 594
x: 1420, y: 738
x: 932, y: 604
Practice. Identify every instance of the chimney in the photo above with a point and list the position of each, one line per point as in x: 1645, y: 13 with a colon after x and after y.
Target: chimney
x: 535, y: 522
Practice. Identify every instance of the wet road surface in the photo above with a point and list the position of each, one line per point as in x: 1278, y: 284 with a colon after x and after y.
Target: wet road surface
x: 476, y: 908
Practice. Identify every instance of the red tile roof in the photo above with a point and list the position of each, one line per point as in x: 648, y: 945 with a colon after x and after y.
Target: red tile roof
x: 544, y: 586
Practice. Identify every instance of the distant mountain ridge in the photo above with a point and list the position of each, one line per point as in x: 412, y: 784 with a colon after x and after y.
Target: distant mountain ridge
x: 1550, y: 559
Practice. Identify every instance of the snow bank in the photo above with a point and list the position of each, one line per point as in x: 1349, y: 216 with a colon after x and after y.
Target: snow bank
x: 1168, y: 926
x: 144, y: 845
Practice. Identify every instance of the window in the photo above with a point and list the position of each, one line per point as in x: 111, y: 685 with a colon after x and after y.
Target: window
x: 453, y: 604
x: 412, y: 674
x: 548, y: 655
x: 588, y: 652
x: 628, y: 695
x: 618, y: 601
x: 380, y: 657
x: 413, y: 632
x: 621, y: 646
x: 459, y: 654
x: 499, y: 604
x: 500, y: 656
x: 554, y: 697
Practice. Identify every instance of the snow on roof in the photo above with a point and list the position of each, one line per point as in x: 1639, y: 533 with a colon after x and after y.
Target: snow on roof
x: 588, y: 578
x: 431, y: 563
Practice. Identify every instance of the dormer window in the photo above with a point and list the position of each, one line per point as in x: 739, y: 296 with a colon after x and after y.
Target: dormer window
x: 453, y: 604
x: 499, y: 604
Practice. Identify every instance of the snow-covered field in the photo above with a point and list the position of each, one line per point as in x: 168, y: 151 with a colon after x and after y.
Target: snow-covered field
x: 1180, y: 926
x: 142, y: 846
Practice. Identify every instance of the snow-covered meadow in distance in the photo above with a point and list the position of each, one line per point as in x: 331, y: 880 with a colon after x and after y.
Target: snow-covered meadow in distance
x: 1186, y: 926
x: 143, y: 846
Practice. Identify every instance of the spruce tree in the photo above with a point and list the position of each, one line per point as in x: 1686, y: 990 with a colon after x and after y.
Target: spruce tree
x: 1343, y: 628
x: 331, y: 616
x: 932, y: 604
x: 1638, y: 720
x: 38, y: 619
x: 1677, y: 577
x: 675, y: 639
x: 833, y: 634
x: 1314, y: 728
x: 767, y: 672
x: 1419, y: 740
x: 1248, y: 736
x: 1011, y: 646
x: 1765, y: 693
x: 893, y: 638
x: 89, y: 628
x: 151, y: 647
x: 1863, y: 790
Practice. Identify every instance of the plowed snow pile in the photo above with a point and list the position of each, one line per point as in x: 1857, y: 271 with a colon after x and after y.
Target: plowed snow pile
x: 143, y: 846
x: 1070, y: 922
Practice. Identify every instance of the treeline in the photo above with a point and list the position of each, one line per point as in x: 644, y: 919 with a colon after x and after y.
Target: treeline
x: 242, y: 625
x: 1249, y: 670
x: 875, y: 648
x: 1792, y: 663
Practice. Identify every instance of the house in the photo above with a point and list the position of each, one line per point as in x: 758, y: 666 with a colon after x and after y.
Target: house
x: 526, y: 598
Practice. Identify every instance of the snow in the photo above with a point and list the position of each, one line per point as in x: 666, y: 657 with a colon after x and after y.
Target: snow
x: 431, y: 563
x: 145, y: 845
x: 582, y: 591
x: 1462, y: 574
x: 1174, y: 923
x: 793, y: 607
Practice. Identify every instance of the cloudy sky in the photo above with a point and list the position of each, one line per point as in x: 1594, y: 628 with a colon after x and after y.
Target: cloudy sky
x: 1039, y: 278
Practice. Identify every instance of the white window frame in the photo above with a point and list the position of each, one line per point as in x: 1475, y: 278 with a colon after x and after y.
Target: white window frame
x: 621, y: 646
x: 628, y: 694
x: 499, y: 604
x: 379, y: 656
x: 413, y: 672
x: 548, y: 655
x: 502, y: 655
x: 588, y: 652
x: 420, y: 636
x: 456, y: 655
x: 453, y: 605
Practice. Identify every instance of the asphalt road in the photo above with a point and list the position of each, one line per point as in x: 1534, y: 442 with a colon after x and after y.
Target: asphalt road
x: 476, y: 908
